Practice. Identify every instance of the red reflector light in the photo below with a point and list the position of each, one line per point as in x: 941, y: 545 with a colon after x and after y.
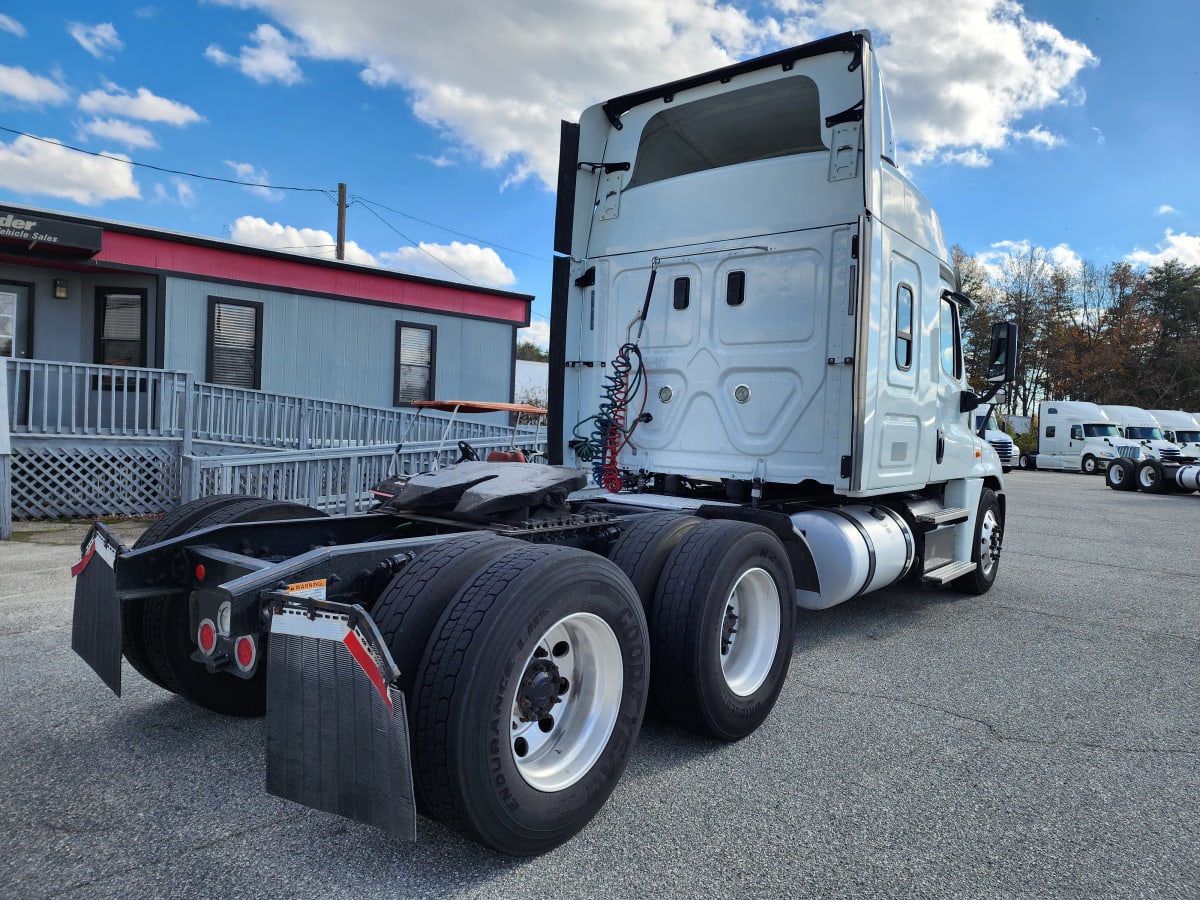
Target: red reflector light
x: 206, y: 637
x: 200, y: 572
x: 245, y: 651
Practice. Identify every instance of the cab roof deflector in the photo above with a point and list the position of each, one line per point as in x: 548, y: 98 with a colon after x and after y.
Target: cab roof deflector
x: 850, y: 41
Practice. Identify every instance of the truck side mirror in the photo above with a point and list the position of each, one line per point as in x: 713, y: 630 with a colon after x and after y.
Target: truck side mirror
x: 1002, y: 358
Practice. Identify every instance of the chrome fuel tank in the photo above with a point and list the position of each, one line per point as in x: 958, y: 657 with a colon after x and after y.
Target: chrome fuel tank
x: 857, y: 549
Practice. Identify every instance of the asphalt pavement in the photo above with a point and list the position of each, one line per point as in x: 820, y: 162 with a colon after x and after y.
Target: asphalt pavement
x: 1039, y: 741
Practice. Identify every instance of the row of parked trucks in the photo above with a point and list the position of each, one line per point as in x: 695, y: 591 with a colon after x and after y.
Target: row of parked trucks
x: 1155, y: 450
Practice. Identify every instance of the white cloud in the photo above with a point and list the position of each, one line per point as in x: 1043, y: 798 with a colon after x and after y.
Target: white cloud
x: 441, y: 161
x: 1165, y: 209
x: 248, y: 172
x: 271, y: 58
x: 307, y: 241
x: 1063, y: 257
x: 21, y: 85
x: 972, y: 158
x: 96, y: 39
x: 143, y: 105
x: 1039, y: 135
x: 538, y: 332
x: 36, y: 167
x: 1181, y: 246
x: 963, y: 74
x: 11, y: 25
x: 120, y: 131
x: 1099, y: 135
x: 183, y: 193
x: 994, y: 259
x: 479, y: 265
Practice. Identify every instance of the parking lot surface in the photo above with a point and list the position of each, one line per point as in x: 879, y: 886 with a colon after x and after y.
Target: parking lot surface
x: 1041, y: 740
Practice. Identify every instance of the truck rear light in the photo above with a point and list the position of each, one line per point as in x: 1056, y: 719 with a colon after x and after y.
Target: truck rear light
x: 245, y: 651
x: 206, y: 637
x: 200, y: 572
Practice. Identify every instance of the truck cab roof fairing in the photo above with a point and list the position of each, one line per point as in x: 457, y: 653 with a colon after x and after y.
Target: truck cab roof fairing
x: 850, y: 41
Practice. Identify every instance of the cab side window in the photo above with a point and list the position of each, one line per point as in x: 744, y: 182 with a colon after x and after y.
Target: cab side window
x: 904, y: 327
x: 951, y: 350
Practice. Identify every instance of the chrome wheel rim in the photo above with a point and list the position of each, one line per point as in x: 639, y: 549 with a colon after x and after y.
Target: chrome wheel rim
x: 989, y: 538
x: 566, y: 702
x: 749, y: 634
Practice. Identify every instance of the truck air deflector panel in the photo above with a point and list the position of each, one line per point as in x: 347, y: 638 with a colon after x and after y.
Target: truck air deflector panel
x: 337, y: 732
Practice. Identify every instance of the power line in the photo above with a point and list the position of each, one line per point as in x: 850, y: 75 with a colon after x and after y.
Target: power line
x: 419, y: 247
x: 129, y: 162
x: 470, y: 237
x: 367, y: 203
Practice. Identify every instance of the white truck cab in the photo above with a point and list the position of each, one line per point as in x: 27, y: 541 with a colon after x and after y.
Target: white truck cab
x: 989, y: 429
x: 1139, y: 426
x: 1180, y: 428
x: 1074, y: 436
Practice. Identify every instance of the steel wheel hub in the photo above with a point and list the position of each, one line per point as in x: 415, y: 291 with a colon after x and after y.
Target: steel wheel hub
x: 749, y: 636
x: 566, y: 703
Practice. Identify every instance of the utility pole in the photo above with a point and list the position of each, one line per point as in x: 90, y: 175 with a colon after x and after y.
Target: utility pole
x: 341, y: 226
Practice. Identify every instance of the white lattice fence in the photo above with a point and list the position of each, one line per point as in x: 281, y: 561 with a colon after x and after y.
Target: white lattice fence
x: 52, y: 480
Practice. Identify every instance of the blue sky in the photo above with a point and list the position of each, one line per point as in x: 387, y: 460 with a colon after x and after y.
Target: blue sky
x: 1067, y: 125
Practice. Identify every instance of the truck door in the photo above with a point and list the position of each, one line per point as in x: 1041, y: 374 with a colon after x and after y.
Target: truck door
x: 954, y: 455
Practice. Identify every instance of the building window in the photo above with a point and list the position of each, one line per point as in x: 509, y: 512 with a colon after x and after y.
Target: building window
x: 8, y: 324
x: 904, y: 327
x: 416, y: 347
x: 235, y: 343
x: 120, y: 327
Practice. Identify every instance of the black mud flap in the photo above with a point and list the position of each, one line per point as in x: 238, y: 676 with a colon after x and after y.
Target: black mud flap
x: 337, y: 730
x: 96, y: 621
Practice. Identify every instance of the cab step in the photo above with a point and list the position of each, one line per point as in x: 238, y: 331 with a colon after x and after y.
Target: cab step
x: 948, y: 572
x: 951, y: 515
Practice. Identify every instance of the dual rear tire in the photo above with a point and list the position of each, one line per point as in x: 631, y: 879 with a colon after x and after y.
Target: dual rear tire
x: 534, y: 664
x: 156, y: 631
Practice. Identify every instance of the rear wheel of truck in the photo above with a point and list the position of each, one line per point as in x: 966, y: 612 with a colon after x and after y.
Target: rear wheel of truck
x: 1121, y: 474
x: 410, y: 606
x: 1150, y: 477
x: 721, y: 629
x: 529, y: 698
x: 178, y: 521
x: 168, y: 637
x: 985, y: 552
x: 642, y: 550
x: 1089, y: 465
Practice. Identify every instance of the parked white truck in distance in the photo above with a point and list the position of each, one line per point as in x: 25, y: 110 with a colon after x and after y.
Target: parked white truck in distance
x: 1180, y: 428
x: 1139, y: 426
x: 1074, y: 436
x: 989, y: 429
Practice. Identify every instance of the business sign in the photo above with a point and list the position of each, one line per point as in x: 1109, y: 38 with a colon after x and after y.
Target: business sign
x: 24, y: 231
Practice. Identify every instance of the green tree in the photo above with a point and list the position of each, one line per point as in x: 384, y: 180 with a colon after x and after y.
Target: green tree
x: 530, y: 351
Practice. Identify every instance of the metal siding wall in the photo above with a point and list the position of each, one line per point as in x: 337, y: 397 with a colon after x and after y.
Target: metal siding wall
x: 335, y: 350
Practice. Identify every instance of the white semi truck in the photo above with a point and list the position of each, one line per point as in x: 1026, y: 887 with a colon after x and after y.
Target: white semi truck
x: 1180, y: 428
x: 989, y: 429
x: 1138, y: 425
x: 1074, y: 436
x: 756, y: 353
